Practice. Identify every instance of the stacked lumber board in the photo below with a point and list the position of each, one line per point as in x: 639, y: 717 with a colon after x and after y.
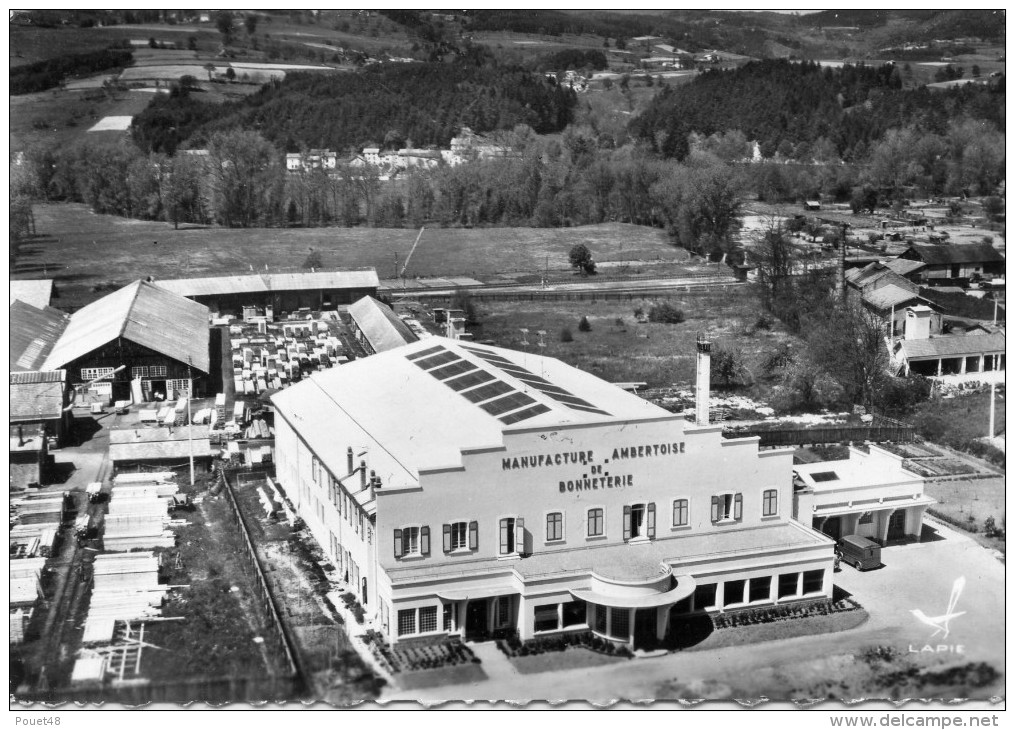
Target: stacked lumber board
x: 126, y: 588
x: 138, y: 516
x: 38, y: 509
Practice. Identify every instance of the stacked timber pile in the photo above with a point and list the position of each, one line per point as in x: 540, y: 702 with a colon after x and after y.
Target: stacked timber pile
x: 138, y: 516
x: 126, y: 588
x: 25, y: 588
x: 35, y: 509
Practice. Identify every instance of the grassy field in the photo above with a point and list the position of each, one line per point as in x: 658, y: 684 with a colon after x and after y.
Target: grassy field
x: 976, y: 498
x: 56, y: 118
x: 84, y: 250
x: 619, y: 349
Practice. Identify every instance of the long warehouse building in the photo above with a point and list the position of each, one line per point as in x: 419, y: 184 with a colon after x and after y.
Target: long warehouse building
x: 463, y: 489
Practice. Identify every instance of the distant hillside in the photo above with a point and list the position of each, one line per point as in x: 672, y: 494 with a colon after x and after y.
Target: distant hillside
x: 914, y: 25
x: 779, y: 101
x: 393, y: 104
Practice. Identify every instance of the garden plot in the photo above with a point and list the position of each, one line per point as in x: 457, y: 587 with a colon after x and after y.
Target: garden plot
x: 112, y: 124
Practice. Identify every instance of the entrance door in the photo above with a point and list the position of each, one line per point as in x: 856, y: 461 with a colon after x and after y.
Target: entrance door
x: 475, y: 620
x: 897, y: 525
x: 645, y: 628
x: 833, y: 527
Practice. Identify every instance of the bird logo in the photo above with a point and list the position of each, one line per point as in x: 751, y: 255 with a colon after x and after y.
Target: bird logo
x: 941, y: 623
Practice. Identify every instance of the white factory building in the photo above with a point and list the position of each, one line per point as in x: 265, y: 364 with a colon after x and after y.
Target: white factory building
x: 465, y: 489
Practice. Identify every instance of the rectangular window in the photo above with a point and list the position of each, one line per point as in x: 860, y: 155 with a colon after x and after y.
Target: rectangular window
x: 93, y: 373
x: 680, y: 513
x: 574, y: 613
x: 761, y: 589
x: 157, y: 371
x: 601, y: 619
x: 620, y: 623
x: 455, y: 536
x: 704, y: 596
x: 503, y: 615
x: 407, y: 621
x: 770, y: 502
x: 449, y: 617
x: 596, y: 522
x: 733, y: 592
x: 139, y: 372
x: 866, y: 518
x: 410, y: 541
x: 545, y: 618
x: 726, y: 507
x: 427, y: 619
x: 787, y: 584
x: 554, y: 526
x: 507, y: 535
x: 814, y: 581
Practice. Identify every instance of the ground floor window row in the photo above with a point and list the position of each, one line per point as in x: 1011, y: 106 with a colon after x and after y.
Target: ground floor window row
x: 475, y: 619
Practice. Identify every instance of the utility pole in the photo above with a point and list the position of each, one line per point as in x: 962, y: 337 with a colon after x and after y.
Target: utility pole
x: 990, y: 428
x: 190, y: 421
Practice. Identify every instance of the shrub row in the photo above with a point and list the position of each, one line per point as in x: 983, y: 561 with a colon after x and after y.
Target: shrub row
x: 413, y: 658
x: 354, y: 605
x: 757, y: 616
x: 512, y: 646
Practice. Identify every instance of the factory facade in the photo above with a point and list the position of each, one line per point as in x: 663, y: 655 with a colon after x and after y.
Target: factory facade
x: 467, y: 490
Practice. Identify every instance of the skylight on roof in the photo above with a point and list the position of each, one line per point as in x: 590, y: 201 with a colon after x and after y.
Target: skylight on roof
x: 824, y: 476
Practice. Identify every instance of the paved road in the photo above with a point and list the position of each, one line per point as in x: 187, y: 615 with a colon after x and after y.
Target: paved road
x: 919, y: 576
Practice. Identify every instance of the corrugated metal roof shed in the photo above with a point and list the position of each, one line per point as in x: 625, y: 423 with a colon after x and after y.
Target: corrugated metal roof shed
x: 34, y: 332
x: 904, y: 266
x: 254, y: 283
x: 953, y: 346
x: 37, y: 395
x: 36, y: 292
x: 936, y: 254
x: 150, y: 450
x: 890, y: 295
x: 142, y: 313
x: 151, y: 435
x: 380, y: 325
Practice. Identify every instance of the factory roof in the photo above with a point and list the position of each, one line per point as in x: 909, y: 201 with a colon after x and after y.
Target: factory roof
x: 36, y: 292
x: 878, y: 467
x: 419, y: 405
x: 890, y: 295
x: 904, y: 266
x: 37, y: 395
x: 254, y: 283
x: 142, y: 313
x: 960, y: 253
x: 381, y: 327
x: 953, y: 346
x: 34, y: 331
x: 128, y: 444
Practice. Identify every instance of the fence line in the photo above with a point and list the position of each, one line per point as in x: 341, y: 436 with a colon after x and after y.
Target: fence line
x: 892, y: 430
x: 281, y: 636
x: 576, y: 296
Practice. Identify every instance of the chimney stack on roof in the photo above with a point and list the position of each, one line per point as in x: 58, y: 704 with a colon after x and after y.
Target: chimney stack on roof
x: 362, y: 473
x: 704, y: 375
x: 21, y: 437
x: 349, y: 460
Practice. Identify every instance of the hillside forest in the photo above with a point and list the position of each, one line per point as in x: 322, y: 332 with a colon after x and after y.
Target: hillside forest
x: 684, y: 164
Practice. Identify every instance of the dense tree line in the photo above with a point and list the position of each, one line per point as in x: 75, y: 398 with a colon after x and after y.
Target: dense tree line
x: 51, y: 72
x: 549, y: 182
x: 780, y: 103
x: 391, y: 104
